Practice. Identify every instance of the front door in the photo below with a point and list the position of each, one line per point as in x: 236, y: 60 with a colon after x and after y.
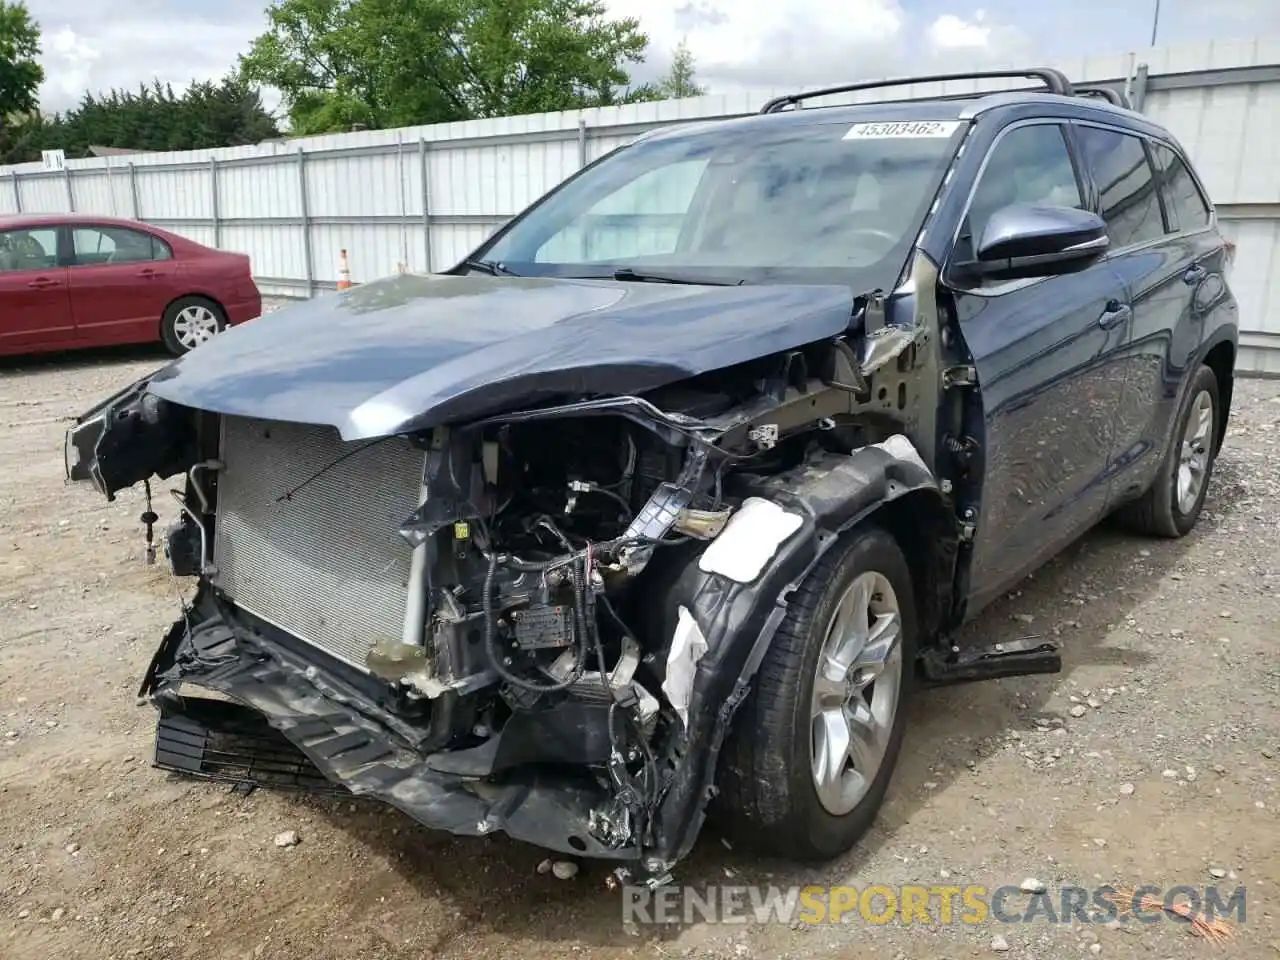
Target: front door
x: 35, y: 307
x: 1047, y: 353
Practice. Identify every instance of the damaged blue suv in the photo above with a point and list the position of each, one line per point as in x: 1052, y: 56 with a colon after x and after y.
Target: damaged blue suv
x: 660, y: 504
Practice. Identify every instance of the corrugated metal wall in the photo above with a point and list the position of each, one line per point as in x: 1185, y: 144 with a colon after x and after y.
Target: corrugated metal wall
x: 1229, y: 129
x: 426, y: 196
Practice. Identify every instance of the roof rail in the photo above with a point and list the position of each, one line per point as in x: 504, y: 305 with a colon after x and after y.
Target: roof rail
x: 1109, y: 94
x: 1054, y: 80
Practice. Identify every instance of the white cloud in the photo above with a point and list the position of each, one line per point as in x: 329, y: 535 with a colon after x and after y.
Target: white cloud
x: 68, y: 66
x: 950, y: 32
x: 736, y: 33
x: 90, y: 46
x: 738, y: 44
x: 747, y: 43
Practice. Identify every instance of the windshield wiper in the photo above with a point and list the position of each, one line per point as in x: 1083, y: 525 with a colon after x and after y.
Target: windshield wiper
x: 491, y: 267
x: 647, y: 276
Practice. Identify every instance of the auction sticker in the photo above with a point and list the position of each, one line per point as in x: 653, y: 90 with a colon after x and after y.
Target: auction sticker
x: 902, y: 128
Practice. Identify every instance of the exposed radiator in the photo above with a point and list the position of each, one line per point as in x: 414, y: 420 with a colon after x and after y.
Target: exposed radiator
x: 327, y: 564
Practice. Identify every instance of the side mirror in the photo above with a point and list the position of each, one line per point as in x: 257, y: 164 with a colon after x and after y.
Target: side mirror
x: 1030, y: 240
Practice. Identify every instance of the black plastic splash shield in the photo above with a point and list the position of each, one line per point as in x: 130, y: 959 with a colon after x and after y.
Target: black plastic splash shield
x: 218, y: 740
x: 337, y: 731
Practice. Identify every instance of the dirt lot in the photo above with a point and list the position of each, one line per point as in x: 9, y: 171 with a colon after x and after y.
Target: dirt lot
x: 1153, y: 758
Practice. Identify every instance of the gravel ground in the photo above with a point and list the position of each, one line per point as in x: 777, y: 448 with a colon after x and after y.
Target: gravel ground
x: 1153, y: 758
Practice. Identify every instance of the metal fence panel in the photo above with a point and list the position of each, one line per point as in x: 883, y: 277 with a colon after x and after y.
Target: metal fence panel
x: 175, y: 195
x: 45, y: 192
x: 360, y: 186
x: 261, y: 191
x: 1255, y: 276
x: 96, y: 191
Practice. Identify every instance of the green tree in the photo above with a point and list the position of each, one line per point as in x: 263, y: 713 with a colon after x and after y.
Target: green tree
x: 387, y: 63
x: 223, y: 114
x: 679, y: 81
x: 20, y: 71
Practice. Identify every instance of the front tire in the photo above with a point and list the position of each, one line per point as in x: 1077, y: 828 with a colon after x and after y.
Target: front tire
x: 190, y: 322
x: 1171, y: 507
x: 816, y: 742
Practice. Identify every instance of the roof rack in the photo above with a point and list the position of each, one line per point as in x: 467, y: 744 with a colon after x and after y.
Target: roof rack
x: 1055, y: 80
x: 1109, y: 94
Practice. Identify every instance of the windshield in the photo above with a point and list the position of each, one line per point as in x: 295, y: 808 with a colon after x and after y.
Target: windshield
x: 805, y: 203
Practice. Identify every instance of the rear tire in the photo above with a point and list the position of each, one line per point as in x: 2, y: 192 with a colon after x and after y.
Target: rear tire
x: 190, y: 322
x: 787, y: 786
x: 1172, y: 505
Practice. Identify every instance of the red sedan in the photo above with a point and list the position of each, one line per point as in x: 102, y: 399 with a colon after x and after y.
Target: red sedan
x: 77, y: 280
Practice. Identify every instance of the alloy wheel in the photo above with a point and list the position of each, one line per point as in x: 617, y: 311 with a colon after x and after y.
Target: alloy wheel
x: 1193, y: 453
x: 855, y: 692
x: 195, y: 325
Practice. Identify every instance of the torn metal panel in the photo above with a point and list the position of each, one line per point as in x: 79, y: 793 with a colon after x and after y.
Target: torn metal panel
x: 884, y: 346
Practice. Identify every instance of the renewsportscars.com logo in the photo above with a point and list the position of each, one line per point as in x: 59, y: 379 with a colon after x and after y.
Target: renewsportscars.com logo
x: 928, y: 904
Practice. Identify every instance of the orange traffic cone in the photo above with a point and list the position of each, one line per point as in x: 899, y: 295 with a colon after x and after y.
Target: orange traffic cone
x: 344, y: 271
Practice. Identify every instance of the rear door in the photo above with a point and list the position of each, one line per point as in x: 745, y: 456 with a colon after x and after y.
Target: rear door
x: 1171, y: 259
x: 121, y: 281
x: 1046, y: 353
x: 35, y: 305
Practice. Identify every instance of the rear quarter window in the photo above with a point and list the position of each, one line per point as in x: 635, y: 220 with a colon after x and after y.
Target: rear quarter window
x: 1188, y: 207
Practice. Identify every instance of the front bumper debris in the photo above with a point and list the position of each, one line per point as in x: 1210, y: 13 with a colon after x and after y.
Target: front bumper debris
x: 341, y: 738
x: 221, y: 740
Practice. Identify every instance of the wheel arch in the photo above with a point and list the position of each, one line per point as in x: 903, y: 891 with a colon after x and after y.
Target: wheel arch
x: 1221, y: 359
x: 832, y: 493
x: 924, y: 529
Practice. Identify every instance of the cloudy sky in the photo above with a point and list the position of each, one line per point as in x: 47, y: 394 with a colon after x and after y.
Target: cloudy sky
x: 90, y: 45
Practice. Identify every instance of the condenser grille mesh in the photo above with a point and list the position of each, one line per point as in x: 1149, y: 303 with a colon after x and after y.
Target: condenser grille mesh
x: 327, y: 562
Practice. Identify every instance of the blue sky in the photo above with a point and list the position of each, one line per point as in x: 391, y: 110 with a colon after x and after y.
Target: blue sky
x: 90, y: 45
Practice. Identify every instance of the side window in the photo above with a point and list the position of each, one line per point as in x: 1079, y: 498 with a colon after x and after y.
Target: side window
x: 1127, y: 196
x: 1027, y: 165
x: 160, y: 250
x: 1182, y: 197
x: 101, y: 245
x: 30, y: 249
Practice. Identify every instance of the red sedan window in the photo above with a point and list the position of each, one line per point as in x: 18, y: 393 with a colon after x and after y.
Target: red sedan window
x: 32, y: 248
x: 103, y: 245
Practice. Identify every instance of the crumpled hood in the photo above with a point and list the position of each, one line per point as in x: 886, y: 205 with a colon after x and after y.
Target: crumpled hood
x: 413, y: 351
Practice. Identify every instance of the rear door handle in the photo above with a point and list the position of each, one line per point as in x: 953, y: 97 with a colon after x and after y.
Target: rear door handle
x: 1194, y: 275
x: 1115, y: 314
x: 43, y: 283
x: 149, y: 273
